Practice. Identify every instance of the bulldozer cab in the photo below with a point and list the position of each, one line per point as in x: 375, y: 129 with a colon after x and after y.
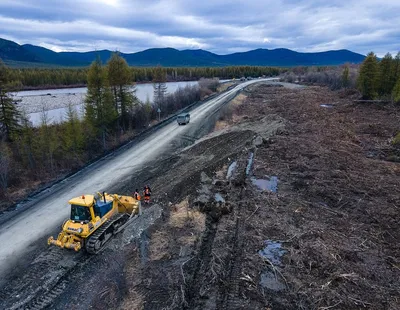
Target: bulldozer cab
x: 86, y: 209
x: 80, y: 213
x: 82, y: 208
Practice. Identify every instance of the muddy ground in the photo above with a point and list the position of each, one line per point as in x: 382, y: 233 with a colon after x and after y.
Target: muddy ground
x: 326, y: 239
x: 286, y: 205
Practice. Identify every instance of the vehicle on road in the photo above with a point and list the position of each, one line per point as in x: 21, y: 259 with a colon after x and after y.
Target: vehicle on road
x: 183, y: 119
x: 94, y: 220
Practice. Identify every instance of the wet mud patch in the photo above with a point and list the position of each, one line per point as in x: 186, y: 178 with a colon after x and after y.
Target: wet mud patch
x: 270, y: 184
x: 272, y: 252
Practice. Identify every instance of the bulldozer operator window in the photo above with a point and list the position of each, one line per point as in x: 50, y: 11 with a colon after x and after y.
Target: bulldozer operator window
x: 80, y: 213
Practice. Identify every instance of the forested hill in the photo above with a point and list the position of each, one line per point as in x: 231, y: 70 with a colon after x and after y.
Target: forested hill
x: 14, y: 54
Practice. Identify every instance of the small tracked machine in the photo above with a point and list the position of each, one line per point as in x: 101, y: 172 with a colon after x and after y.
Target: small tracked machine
x: 94, y: 220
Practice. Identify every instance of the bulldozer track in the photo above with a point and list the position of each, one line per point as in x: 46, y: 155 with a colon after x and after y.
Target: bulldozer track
x: 44, y: 281
x: 105, y: 232
x: 44, y: 301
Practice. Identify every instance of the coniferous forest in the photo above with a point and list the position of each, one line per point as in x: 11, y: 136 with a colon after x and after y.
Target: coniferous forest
x: 31, y: 78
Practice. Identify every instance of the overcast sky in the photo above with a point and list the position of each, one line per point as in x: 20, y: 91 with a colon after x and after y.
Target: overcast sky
x: 220, y: 26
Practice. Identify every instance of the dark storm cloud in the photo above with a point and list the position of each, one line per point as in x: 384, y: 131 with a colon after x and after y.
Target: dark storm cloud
x: 221, y: 26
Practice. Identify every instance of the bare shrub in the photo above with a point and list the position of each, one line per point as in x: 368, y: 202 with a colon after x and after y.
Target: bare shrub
x: 211, y: 84
x: 226, y: 113
x: 182, y: 98
x: 204, y: 92
x: 290, y: 77
x: 325, y: 76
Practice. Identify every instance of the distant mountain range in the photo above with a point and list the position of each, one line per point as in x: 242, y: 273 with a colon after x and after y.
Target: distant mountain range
x: 28, y: 55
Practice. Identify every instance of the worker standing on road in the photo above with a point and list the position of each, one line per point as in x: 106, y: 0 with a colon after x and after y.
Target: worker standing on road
x: 147, y: 194
x: 136, y: 195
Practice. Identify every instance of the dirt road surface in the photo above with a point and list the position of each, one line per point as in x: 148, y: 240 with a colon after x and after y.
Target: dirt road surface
x: 49, y: 209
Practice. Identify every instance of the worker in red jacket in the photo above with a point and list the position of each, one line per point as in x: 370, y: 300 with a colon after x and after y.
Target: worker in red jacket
x: 147, y: 194
x: 136, y: 195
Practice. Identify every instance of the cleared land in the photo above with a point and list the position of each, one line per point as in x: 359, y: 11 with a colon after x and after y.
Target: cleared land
x: 329, y: 234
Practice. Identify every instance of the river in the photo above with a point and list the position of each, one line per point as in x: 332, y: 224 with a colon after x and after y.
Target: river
x: 55, y: 101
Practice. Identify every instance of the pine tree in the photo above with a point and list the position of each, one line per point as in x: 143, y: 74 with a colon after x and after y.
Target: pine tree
x: 74, y: 140
x: 368, y: 79
x: 386, y: 75
x: 160, y: 87
x: 99, y: 111
x: 396, y: 69
x: 396, y: 92
x: 9, y: 114
x: 48, y: 142
x: 5, y: 166
x: 345, y: 77
x: 120, y: 80
x: 27, y: 141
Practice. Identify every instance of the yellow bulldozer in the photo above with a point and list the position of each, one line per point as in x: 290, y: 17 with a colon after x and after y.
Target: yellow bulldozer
x: 94, y: 220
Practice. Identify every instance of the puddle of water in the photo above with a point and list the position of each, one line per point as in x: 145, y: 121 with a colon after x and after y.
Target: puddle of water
x: 219, y: 198
x: 270, y: 281
x: 273, y: 252
x: 263, y: 184
x: 231, y: 170
x: 329, y: 106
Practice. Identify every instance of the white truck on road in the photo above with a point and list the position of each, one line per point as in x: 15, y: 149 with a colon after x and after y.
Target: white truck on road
x: 183, y: 119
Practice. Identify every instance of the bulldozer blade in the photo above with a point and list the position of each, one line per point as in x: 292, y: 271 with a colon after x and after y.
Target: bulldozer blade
x: 68, y: 245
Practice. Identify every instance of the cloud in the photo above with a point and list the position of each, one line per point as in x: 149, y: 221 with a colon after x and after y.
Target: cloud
x: 221, y: 26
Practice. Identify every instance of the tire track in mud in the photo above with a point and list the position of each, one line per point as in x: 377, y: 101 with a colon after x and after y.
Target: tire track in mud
x: 229, y: 288
x: 228, y: 291
x: 50, y: 273
x: 228, y: 284
x: 201, y: 263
